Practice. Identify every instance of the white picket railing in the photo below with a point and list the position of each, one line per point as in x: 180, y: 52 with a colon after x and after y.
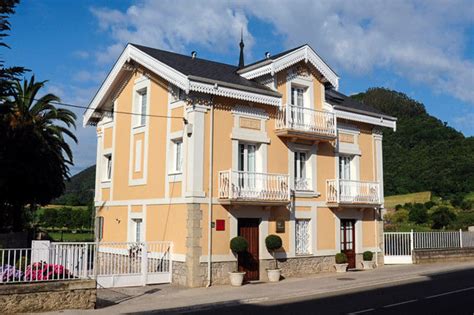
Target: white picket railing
x: 307, y: 120
x: 112, y: 264
x: 352, y: 192
x: 399, y: 246
x: 245, y: 186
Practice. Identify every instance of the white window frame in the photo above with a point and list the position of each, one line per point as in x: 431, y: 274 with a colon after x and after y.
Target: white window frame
x: 142, y: 87
x: 108, y: 167
x: 177, y: 161
x: 304, y: 174
x: 348, y: 162
x: 137, y: 225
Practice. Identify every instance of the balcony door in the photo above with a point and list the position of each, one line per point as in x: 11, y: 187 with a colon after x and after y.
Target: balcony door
x: 345, y: 175
x: 297, y: 100
x: 247, y: 166
x: 302, y: 183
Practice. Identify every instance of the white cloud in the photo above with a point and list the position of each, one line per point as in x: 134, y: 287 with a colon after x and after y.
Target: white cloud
x: 421, y: 41
x: 81, y: 54
x: 169, y: 24
x: 89, y: 76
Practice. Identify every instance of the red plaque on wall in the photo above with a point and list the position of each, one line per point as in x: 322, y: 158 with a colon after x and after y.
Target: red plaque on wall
x: 220, y: 225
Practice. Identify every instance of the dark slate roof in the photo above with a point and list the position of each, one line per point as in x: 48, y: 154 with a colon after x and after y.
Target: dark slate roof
x: 274, y: 57
x: 338, y: 99
x: 206, y: 69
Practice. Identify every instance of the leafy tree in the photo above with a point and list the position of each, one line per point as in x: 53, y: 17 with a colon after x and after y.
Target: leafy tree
x: 424, y: 153
x: 418, y: 213
x: 34, y: 153
x: 442, y: 217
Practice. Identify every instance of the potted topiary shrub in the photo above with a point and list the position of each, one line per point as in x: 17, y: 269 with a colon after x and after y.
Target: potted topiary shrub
x: 367, y: 262
x: 273, y: 243
x: 341, y: 262
x: 238, y: 245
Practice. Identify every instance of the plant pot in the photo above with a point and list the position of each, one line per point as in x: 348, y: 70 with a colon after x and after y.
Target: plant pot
x: 367, y: 264
x: 273, y: 275
x: 236, y: 278
x: 341, y: 267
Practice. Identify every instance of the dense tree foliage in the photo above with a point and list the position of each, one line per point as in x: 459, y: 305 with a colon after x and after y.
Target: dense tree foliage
x: 34, y: 154
x: 66, y: 217
x: 424, y: 153
x: 79, y: 189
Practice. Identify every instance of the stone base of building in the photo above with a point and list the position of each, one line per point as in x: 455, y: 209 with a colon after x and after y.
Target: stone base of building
x: 290, y: 267
x: 47, y: 296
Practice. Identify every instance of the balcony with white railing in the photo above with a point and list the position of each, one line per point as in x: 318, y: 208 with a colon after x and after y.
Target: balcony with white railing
x: 352, y: 192
x: 306, y: 123
x: 253, y: 188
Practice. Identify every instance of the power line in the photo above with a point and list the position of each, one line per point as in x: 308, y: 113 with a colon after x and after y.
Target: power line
x: 110, y: 111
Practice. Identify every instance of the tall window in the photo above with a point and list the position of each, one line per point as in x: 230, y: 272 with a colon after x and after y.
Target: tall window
x: 247, y: 164
x: 107, y: 166
x: 141, y: 107
x: 178, y: 156
x: 301, y: 180
x: 297, y: 99
x: 302, y: 229
x: 345, y: 167
x: 138, y: 229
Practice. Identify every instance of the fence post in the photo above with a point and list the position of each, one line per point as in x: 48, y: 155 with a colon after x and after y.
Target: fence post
x: 144, y: 263
x: 460, y: 238
x: 85, y: 258
x: 412, y: 241
x: 170, y: 260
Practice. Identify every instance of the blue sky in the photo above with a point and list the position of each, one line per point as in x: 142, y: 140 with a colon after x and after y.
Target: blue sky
x: 422, y: 48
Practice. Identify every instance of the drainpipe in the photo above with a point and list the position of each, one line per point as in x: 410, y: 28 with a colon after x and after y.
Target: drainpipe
x: 376, y: 237
x: 209, y: 207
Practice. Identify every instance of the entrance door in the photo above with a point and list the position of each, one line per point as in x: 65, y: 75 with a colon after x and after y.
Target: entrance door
x: 348, y: 241
x: 249, y: 261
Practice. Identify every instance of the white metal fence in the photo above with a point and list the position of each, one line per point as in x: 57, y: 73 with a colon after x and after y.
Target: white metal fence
x: 112, y: 264
x: 399, y: 246
x: 237, y: 185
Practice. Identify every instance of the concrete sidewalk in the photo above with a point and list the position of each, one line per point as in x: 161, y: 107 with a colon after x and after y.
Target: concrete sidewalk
x: 177, y: 299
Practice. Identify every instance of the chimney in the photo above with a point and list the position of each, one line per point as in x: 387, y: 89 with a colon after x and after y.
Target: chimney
x: 267, y: 55
x: 193, y: 54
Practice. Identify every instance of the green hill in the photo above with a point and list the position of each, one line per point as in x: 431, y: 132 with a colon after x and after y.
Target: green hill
x: 79, y: 189
x: 424, y: 154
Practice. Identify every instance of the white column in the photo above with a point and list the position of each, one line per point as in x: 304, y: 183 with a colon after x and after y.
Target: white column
x: 379, y: 161
x: 195, y: 151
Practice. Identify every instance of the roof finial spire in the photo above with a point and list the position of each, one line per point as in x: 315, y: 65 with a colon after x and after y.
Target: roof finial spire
x: 241, y: 58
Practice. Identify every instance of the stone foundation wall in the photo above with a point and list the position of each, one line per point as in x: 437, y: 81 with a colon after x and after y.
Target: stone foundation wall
x: 47, y: 296
x: 423, y: 256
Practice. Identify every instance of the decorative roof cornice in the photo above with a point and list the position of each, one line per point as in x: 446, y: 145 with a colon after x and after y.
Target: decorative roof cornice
x: 305, y: 53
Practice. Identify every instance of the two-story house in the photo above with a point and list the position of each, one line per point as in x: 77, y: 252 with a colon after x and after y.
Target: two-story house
x: 197, y: 152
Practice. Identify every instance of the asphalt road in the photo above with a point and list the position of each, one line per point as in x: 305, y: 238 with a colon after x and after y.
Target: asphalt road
x: 445, y: 293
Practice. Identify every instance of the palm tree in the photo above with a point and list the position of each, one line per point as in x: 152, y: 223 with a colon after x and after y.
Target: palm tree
x: 34, y: 151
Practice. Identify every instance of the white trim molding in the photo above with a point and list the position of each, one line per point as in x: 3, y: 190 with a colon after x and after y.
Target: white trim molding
x: 305, y: 53
x: 372, y: 119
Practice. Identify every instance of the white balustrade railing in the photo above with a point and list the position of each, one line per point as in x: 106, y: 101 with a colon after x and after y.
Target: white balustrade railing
x: 306, y: 120
x: 352, y: 191
x: 237, y: 185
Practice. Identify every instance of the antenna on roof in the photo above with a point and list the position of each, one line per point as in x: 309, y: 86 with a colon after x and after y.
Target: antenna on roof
x: 241, y: 57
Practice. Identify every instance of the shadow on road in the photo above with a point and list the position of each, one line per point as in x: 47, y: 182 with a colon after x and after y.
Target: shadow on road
x: 438, y: 293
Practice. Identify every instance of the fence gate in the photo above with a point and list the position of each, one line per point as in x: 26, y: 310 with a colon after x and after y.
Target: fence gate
x: 398, y: 247
x: 117, y: 264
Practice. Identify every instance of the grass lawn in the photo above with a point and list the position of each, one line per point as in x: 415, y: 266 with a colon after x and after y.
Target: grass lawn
x: 420, y: 197
x: 72, y: 237
x: 470, y: 196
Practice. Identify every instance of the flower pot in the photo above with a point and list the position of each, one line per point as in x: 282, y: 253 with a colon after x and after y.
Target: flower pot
x: 341, y: 267
x: 367, y: 264
x: 273, y: 275
x: 236, y: 278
